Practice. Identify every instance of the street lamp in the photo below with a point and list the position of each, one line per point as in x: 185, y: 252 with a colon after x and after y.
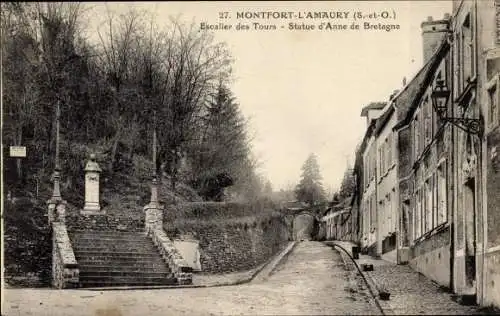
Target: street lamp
x: 56, y: 193
x: 154, y: 184
x: 440, y: 95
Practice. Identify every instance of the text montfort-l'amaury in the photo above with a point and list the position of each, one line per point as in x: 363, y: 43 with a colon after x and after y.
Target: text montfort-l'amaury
x: 293, y: 15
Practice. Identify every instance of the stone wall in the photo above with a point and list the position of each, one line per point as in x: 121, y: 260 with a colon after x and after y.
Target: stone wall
x: 492, y: 256
x: 111, y: 221
x: 178, y: 266
x: 65, y: 273
x: 230, y: 246
x: 492, y: 270
x: 431, y: 256
x: 27, y: 245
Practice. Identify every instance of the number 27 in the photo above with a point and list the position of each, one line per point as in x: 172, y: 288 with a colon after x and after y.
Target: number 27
x: 223, y: 15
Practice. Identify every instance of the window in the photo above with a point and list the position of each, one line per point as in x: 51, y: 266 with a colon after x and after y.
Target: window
x: 421, y: 133
x: 390, y: 215
x: 442, y: 192
x: 458, y: 62
x: 417, y: 215
x: 493, y: 103
x: 373, y: 205
x: 427, y: 128
x: 465, y: 48
x: 416, y: 134
x: 388, y: 153
x: 497, y: 11
x: 434, y: 201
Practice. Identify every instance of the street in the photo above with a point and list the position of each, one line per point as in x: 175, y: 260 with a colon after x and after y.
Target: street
x: 311, y: 280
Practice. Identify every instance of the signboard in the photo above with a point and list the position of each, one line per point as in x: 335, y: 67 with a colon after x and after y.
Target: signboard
x: 17, y: 151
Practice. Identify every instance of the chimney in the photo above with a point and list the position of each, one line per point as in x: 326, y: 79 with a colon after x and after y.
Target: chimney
x: 433, y: 32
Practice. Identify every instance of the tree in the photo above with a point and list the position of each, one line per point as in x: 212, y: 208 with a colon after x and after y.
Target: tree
x: 194, y: 67
x: 220, y: 151
x: 348, y: 184
x: 268, y: 189
x: 310, y: 190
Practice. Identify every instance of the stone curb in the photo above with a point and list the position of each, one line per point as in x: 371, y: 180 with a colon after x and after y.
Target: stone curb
x: 273, y: 262
x: 372, y: 286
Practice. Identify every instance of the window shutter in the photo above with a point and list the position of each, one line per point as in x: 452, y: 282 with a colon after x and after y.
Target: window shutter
x: 497, y: 11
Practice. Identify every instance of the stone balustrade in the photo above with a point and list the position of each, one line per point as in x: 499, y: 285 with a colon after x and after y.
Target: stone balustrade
x: 181, y: 270
x: 65, y: 272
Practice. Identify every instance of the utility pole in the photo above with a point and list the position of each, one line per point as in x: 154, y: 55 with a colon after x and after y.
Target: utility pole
x: 154, y: 186
x: 56, y: 193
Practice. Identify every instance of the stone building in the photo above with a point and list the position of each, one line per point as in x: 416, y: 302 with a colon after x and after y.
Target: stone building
x: 368, y: 194
x: 428, y: 168
x: 338, y: 221
x: 476, y: 246
x: 386, y: 178
x: 489, y: 84
x: 426, y: 158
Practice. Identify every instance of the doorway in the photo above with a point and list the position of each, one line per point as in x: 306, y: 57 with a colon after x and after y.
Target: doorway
x: 470, y: 236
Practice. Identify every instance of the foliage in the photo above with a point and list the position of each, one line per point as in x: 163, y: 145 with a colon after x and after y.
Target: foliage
x: 112, y: 95
x: 221, y: 149
x: 310, y: 190
x: 348, y: 185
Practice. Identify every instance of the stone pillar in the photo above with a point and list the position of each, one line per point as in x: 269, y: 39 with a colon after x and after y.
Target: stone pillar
x: 55, y: 199
x: 92, y: 172
x: 56, y: 210
x: 154, y: 211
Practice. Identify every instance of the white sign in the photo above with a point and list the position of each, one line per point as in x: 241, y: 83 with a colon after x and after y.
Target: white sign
x: 17, y: 151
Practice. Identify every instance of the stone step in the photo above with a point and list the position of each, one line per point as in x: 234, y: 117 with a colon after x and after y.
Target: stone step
x: 118, y: 254
x: 84, y: 260
x: 112, y: 258
x: 140, y: 274
x: 107, y: 283
x: 104, y: 232
x: 110, y: 238
x: 125, y: 268
x: 125, y: 279
x: 115, y: 248
x: 105, y: 241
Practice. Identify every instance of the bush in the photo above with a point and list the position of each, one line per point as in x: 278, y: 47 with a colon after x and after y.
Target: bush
x: 27, y: 239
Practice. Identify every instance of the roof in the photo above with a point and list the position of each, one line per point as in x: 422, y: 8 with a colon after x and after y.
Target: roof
x: 424, y: 79
x: 368, y: 134
x: 383, y: 119
x: 373, y: 106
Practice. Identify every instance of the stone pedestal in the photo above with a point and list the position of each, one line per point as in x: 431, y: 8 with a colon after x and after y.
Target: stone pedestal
x: 92, y: 172
x: 56, y: 210
x: 153, y: 211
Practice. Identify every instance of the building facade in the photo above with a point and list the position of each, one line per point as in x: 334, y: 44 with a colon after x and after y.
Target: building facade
x: 476, y: 52
x: 368, y: 190
x: 429, y: 174
x: 387, y: 190
x: 488, y: 81
x: 428, y: 169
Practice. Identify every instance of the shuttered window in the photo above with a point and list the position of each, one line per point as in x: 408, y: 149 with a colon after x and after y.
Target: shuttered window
x: 497, y: 11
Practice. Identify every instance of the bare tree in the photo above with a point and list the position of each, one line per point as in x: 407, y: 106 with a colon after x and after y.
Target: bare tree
x: 118, y: 52
x: 194, y: 66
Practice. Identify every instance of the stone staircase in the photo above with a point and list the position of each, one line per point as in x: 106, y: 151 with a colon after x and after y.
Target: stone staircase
x: 114, y: 258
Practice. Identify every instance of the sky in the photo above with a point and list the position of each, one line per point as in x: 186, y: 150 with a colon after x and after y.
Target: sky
x: 303, y: 90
